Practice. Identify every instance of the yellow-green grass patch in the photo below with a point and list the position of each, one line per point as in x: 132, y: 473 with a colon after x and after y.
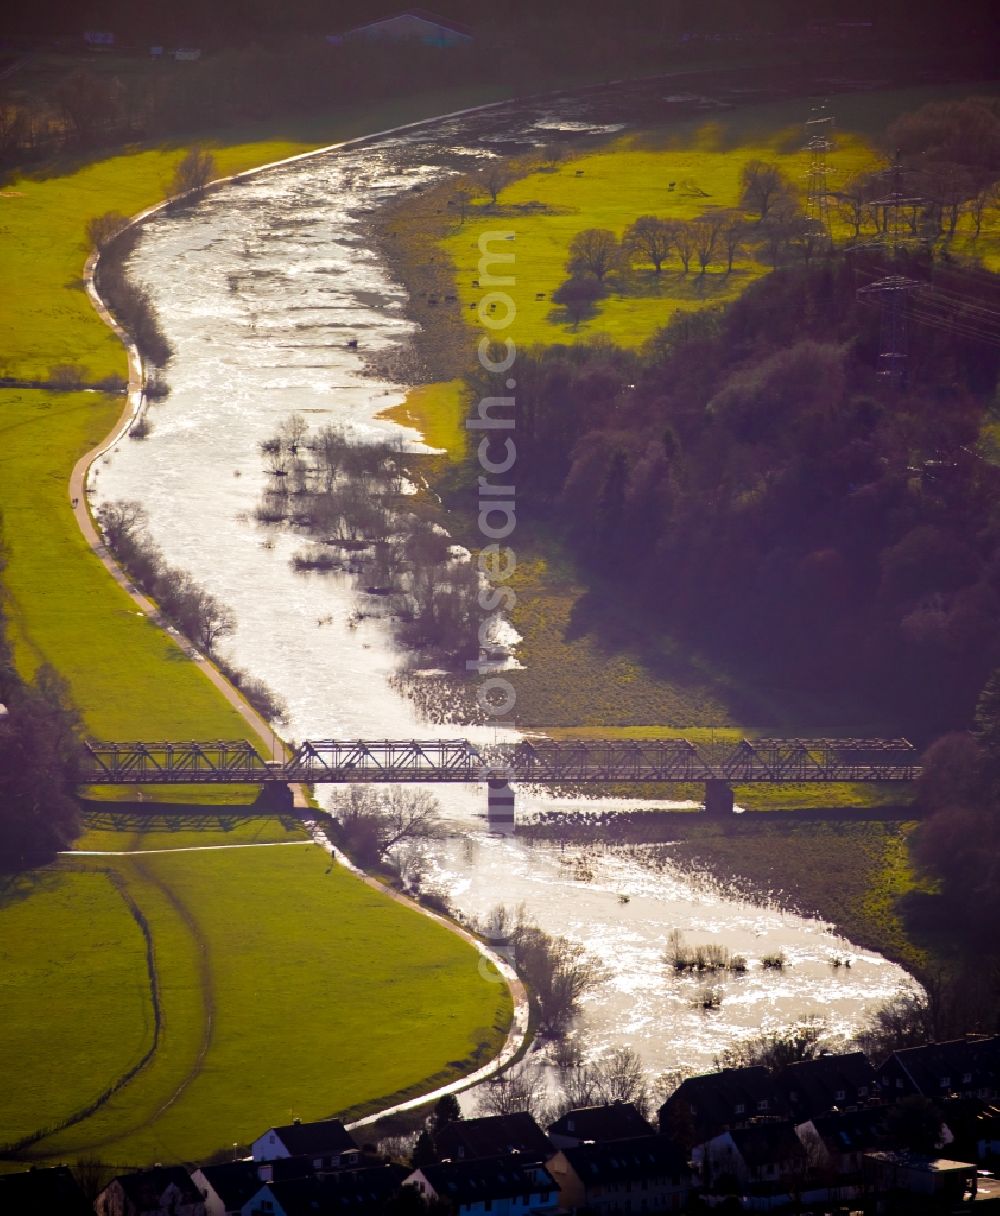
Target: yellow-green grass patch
x: 138, y: 827
x: 438, y: 412
x: 610, y: 189
x: 324, y: 995
x: 128, y: 678
x: 75, y: 1005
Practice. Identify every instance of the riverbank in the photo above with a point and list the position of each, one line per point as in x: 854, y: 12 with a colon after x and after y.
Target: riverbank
x: 185, y: 1084
x: 855, y: 875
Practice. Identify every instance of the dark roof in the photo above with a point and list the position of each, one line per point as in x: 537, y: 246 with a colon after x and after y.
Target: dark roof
x: 928, y: 1065
x: 811, y: 1086
x: 488, y: 1178
x: 423, y: 14
x: 627, y: 1160
x: 613, y: 1121
x: 714, y: 1098
x: 143, y: 1189
x: 853, y: 1131
x: 324, y: 1136
x: 494, y: 1136
x: 235, y: 1182
x: 40, y: 1192
x: 768, y: 1143
x: 364, y: 1190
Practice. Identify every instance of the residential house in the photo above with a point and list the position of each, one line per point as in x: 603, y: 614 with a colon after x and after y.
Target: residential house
x: 835, y: 1144
x: 43, y: 1191
x: 830, y: 1082
x: 642, y: 1174
x: 706, y: 1106
x: 227, y: 1187
x: 413, y: 25
x: 166, y: 1189
x: 612, y: 1121
x: 502, y: 1186
x: 890, y: 1173
x: 493, y: 1136
x: 327, y: 1141
x: 765, y: 1159
x: 362, y: 1191
x: 966, y: 1068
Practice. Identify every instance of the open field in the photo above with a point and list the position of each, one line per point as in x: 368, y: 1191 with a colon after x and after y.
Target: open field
x: 438, y: 411
x: 265, y: 1017
x: 72, y: 954
x: 220, y: 922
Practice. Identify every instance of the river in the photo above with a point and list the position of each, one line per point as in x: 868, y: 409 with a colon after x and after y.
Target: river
x: 260, y: 288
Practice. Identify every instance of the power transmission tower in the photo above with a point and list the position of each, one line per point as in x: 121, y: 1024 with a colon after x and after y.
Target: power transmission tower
x: 819, y: 142
x: 892, y: 290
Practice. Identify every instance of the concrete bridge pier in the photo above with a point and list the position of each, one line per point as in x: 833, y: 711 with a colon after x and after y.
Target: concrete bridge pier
x: 275, y: 796
x: 500, y: 808
x: 718, y: 798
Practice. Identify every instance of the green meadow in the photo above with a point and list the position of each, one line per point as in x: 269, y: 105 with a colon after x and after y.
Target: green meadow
x: 268, y: 961
x: 268, y: 965
x: 657, y: 174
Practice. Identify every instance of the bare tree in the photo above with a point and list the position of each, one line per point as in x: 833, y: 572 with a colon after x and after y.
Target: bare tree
x: 617, y: 1077
x: 558, y: 973
x: 649, y: 240
x: 121, y: 521
x: 706, y: 231
x: 732, y: 233
x: 460, y: 199
x: 374, y: 821
x: 104, y: 228
x: 761, y: 185
x: 685, y: 242
x: 521, y: 1088
x: 494, y: 176
x: 594, y: 251
x: 195, y: 170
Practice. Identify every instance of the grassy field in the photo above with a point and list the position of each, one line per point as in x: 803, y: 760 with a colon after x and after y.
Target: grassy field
x: 438, y: 411
x: 269, y: 963
x: 267, y: 960
x: 70, y: 952
x: 658, y: 173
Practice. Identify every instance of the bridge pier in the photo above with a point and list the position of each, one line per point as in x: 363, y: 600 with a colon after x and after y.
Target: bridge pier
x: 719, y: 798
x: 500, y: 808
x: 275, y: 796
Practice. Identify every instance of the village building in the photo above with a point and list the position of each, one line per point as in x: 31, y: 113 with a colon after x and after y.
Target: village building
x: 811, y: 1088
x: 413, y: 25
x: 889, y: 1173
x: 327, y: 1142
x: 361, y: 1191
x: 766, y: 1159
x: 165, y: 1190
x: 493, y: 1136
x: 643, y: 1174
x: 612, y: 1121
x: 43, y: 1190
x: 964, y: 1068
x: 502, y: 1186
x: 706, y: 1106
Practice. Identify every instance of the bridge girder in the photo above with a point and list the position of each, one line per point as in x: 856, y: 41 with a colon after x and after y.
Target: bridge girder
x: 543, y: 762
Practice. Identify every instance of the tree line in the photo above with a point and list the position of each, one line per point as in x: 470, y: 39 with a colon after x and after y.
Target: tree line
x: 40, y: 758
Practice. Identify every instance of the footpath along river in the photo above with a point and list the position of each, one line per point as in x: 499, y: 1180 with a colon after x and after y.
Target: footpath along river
x: 260, y: 289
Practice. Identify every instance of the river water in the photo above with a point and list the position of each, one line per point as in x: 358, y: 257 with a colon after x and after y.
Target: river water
x: 260, y: 288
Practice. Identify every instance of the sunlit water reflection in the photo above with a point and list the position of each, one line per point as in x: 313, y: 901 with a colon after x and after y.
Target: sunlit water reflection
x: 260, y: 289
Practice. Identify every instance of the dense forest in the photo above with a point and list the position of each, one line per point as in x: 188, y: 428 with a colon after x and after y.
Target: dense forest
x: 754, y: 478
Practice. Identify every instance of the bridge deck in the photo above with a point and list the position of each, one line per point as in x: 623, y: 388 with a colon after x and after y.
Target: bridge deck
x: 536, y: 761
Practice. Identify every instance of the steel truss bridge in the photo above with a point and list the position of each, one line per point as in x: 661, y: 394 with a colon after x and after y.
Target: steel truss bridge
x: 539, y: 761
